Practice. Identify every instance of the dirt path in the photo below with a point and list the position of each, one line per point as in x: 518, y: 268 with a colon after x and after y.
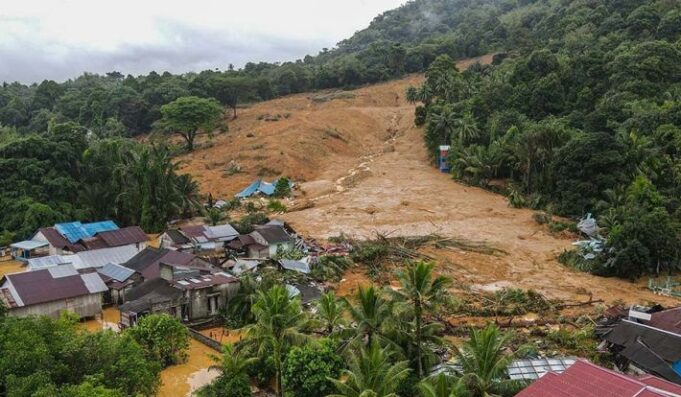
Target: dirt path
x: 375, y: 176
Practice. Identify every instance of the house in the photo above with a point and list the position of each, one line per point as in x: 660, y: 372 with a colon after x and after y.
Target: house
x: 148, y: 262
x: 119, y: 280
x: 188, y: 297
x: 25, y: 250
x: 198, y: 238
x: 74, y: 237
x: 268, y: 241
x: 85, y: 259
x: 647, y: 348
x: 584, y: 379
x: 49, y: 292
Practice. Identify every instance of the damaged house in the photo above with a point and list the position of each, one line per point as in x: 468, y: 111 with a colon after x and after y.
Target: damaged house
x: 648, y: 342
x: 198, y: 238
x: 263, y: 243
x: 187, y: 295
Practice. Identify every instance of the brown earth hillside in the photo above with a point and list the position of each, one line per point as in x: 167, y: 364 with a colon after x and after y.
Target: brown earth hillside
x: 364, y: 168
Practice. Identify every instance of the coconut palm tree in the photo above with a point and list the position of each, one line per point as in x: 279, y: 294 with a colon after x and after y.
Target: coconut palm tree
x: 441, y: 386
x: 484, y: 363
x: 422, y: 291
x: 371, y: 314
x: 278, y: 320
x: 444, y: 121
x: 371, y: 373
x: 330, y: 311
x: 466, y: 129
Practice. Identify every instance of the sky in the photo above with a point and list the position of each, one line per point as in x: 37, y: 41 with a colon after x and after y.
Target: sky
x: 60, y: 39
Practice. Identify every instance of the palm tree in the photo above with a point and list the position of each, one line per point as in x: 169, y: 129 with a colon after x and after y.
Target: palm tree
x: 330, y: 311
x: 444, y: 121
x: 422, y: 291
x: 371, y: 314
x: 232, y: 362
x: 466, y: 128
x: 278, y: 320
x: 441, y: 386
x: 371, y: 373
x: 214, y: 215
x: 484, y: 363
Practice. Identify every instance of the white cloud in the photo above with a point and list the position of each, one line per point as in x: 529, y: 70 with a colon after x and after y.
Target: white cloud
x: 58, y: 39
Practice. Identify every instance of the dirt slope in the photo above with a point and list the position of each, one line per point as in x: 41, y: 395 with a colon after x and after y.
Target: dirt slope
x: 365, y: 169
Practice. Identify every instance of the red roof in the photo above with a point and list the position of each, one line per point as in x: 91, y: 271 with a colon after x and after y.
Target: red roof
x: 660, y: 383
x: 41, y: 286
x: 124, y: 236
x: 194, y: 231
x: 584, y: 379
x: 668, y: 320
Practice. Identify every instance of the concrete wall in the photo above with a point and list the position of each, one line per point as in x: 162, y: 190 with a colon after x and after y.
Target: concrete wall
x: 83, y: 306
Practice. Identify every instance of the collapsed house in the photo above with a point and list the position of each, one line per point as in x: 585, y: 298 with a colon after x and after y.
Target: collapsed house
x: 186, y: 295
x: 73, y: 237
x: 198, y: 238
x: 49, y: 292
x: 646, y: 341
x: 264, y: 242
x: 148, y: 262
x: 585, y: 379
x: 260, y: 187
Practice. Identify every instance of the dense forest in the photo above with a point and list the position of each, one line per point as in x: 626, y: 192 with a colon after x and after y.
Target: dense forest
x: 586, y: 119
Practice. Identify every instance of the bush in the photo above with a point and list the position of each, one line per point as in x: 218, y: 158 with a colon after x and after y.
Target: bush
x: 283, y: 187
x: 276, y: 206
x: 163, y: 338
x: 245, y: 224
x: 307, y: 370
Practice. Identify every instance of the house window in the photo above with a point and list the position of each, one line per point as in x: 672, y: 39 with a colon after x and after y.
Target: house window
x: 212, y: 305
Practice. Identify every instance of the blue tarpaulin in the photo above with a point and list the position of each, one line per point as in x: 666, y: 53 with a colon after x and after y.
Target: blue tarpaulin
x: 259, y: 186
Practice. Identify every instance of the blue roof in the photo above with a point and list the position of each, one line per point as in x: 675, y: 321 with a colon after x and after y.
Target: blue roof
x: 96, y: 227
x: 267, y: 188
x: 74, y: 231
x: 259, y: 186
x: 250, y: 190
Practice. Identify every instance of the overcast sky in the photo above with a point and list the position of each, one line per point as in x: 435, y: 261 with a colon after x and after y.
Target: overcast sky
x: 59, y: 39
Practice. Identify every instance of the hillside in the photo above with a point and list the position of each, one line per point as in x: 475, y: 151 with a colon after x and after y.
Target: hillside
x: 377, y: 177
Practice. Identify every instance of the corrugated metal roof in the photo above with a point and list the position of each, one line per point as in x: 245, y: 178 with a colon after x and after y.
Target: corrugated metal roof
x: 94, y: 283
x: 536, y: 368
x: 221, y: 232
x: 584, y: 379
x: 48, y: 261
x: 62, y: 271
x: 241, y: 266
x: 117, y: 272
x: 40, y: 286
x: 98, y: 227
x: 29, y: 244
x: 125, y: 236
x: 273, y: 234
x: 99, y: 258
x: 297, y: 266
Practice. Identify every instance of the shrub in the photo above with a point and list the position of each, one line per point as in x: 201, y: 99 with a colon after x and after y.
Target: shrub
x: 276, y: 206
x: 283, y: 187
x: 163, y: 338
x: 308, y: 370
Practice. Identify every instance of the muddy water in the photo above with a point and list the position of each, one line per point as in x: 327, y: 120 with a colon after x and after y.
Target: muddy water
x: 10, y: 266
x: 182, y: 380
x: 109, y: 319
